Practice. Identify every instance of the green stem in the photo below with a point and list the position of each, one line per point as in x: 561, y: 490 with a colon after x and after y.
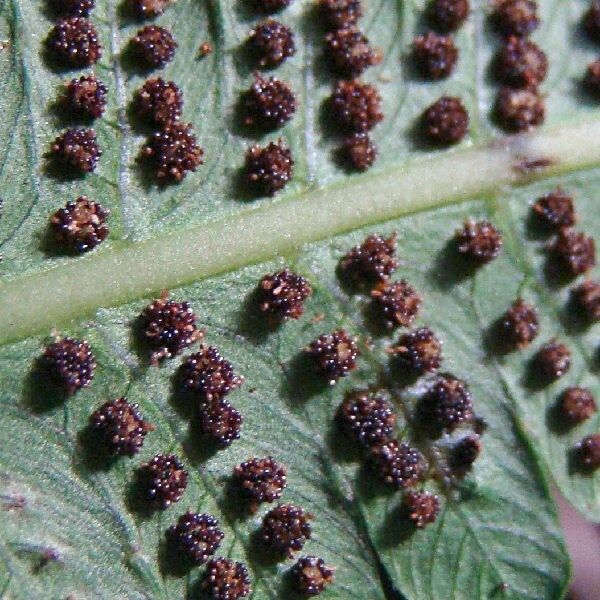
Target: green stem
x: 114, y: 275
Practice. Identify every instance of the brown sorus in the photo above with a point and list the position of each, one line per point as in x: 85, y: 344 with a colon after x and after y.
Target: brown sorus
x: 269, y: 6
x: 312, y: 575
x: 519, y: 325
x: 556, y: 209
x: 154, y: 45
x: 268, y: 103
x: 159, y: 102
x: 86, y: 96
x: 479, y: 241
x: 422, y: 507
x: 349, y: 52
x: 586, y: 297
x: 77, y: 149
x: 205, y: 49
x: 574, y: 251
x: 261, y: 480
x: 446, y: 121
x: 174, y: 151
x: 334, y: 354
x: 516, y: 17
x: 196, y: 536
x: 398, y: 464
x: 435, y: 55
x: 420, y: 350
x: 577, y: 404
x: 358, y: 151
x: 283, y: 294
x: 221, y: 422
x: 588, y: 451
x: 465, y: 452
x: 271, y: 42
x: 269, y: 168
x: 372, y: 261
x: 208, y: 374
x: 519, y: 109
x: 448, y: 403
x: 74, y: 42
x: 74, y: 8
x: 81, y: 225
x: 367, y: 417
x: 122, y: 427
x: 226, y: 580
x: 164, y: 480
x: 591, y: 21
x: 356, y: 106
x: 449, y: 15
x: 397, y: 302
x: 70, y: 363
x: 592, y: 78
x: 521, y: 63
x: 168, y: 327
x: 149, y: 8
x: 339, y: 14
x: 286, y: 528
x: 553, y: 360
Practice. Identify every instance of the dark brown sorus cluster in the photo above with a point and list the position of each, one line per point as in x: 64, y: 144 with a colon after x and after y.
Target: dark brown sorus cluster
x: 592, y: 26
x: 553, y: 360
x: 573, y: 252
x: 269, y: 103
x: 577, y: 404
x: 397, y: 464
x: 74, y: 8
x: 422, y: 508
x: 464, y: 453
x: 356, y: 106
x: 312, y: 575
x: 74, y: 42
x: 121, y: 426
x: 397, y: 302
x: 519, y: 325
x: 447, y: 404
x: 334, y: 354
x: 419, y: 350
x: 149, y: 8
x: 446, y: 121
x: 163, y: 480
x: 591, y: 79
x: 555, y: 210
x: 159, y: 102
x: 269, y: 168
x: 285, y: 529
x: 154, y: 45
x: 586, y: 297
x: 260, y: 480
x: 271, y: 42
x: 77, y: 149
x: 70, y: 364
x: 221, y: 423
x: 448, y: 15
x: 479, y: 241
x: 168, y: 327
x: 86, y: 96
x: 371, y: 262
x: 435, y: 55
x: 226, y: 579
x: 521, y: 63
x: 588, y: 452
x: 268, y: 6
x: 282, y: 294
x: 196, y: 536
x: 340, y: 14
x: 358, y: 151
x: 349, y: 52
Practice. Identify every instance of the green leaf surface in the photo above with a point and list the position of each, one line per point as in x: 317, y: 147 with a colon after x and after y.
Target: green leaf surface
x: 71, y: 525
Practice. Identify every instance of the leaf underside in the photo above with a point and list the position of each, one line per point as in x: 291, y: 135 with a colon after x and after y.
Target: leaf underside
x: 497, y: 534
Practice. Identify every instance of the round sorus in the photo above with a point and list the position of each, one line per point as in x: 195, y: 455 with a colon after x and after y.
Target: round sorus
x: 269, y: 169
x: 349, y: 52
x: 174, y: 151
x: 358, y: 151
x: 577, y: 404
x: 575, y: 251
x: 516, y: 17
x: 74, y: 42
x: 591, y: 20
x: 74, y: 8
x: 150, y: 8
x: 122, y: 427
x: 196, y: 536
x: 334, y: 354
x: 356, y: 106
x: 588, y: 451
x: 446, y: 121
x: 449, y: 15
x: 286, y: 528
x: 420, y: 350
x: 372, y: 261
x: 208, y: 374
x: 168, y: 327
x: 553, y: 360
x: 367, y: 417
x: 521, y: 63
x: 466, y: 452
x: 519, y: 325
x: 422, y: 507
x: 519, y: 109
x: 398, y: 464
x: 339, y: 14
x: 81, y: 225
x: 556, y: 209
x: 154, y: 45
x: 164, y: 480
x: 586, y: 297
x: 271, y: 42
x: 479, y: 241
x: 77, y: 149
x: 269, y: 6
x: 398, y: 303
x: 86, y: 96
x: 268, y: 103
x: 435, y: 55
x: 261, y: 480
x: 70, y: 363
x: 312, y: 575
x: 448, y: 403
x: 159, y: 102
x: 221, y: 422
x: 283, y: 294
x: 226, y: 579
